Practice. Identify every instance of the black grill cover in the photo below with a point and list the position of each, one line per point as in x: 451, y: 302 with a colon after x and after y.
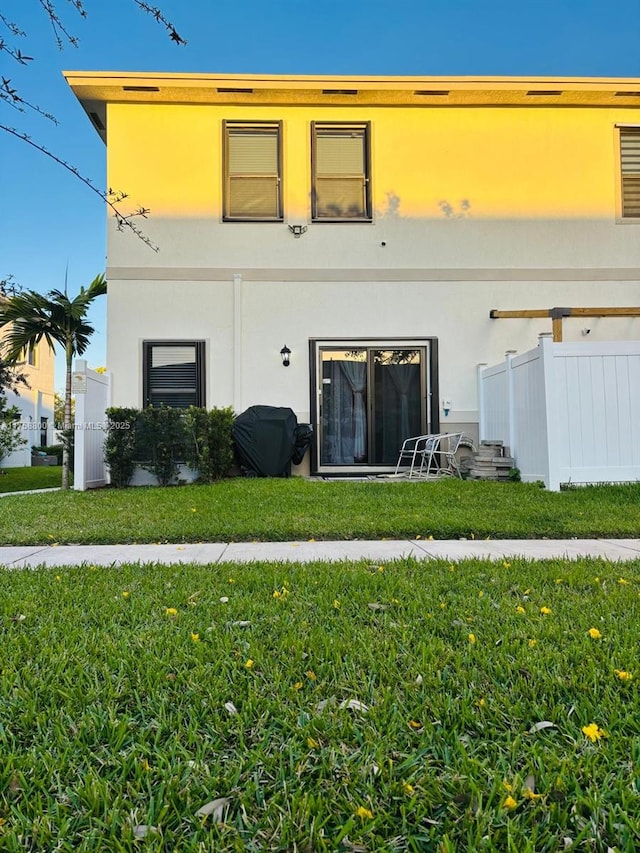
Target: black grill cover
x: 265, y: 438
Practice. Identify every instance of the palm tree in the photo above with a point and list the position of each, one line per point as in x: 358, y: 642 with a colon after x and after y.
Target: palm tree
x: 57, y: 319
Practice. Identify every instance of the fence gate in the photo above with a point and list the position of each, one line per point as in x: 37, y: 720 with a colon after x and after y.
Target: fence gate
x: 92, y: 392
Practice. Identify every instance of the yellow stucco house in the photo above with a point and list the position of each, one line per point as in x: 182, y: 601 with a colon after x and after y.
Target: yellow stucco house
x: 35, y: 402
x: 367, y: 224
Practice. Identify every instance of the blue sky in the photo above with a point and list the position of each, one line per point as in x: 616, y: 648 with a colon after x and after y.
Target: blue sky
x: 51, y: 221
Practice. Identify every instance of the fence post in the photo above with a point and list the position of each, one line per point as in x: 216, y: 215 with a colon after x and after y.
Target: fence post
x: 511, y: 406
x: 79, y: 435
x: 482, y: 406
x: 551, y: 438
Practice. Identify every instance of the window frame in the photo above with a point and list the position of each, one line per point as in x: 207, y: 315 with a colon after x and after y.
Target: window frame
x: 226, y: 177
x: 200, y: 352
x: 621, y: 217
x: 368, y: 217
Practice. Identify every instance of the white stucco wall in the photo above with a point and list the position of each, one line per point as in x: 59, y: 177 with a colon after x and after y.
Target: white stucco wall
x: 274, y: 313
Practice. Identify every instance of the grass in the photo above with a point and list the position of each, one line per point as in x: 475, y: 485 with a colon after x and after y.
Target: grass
x: 281, y: 510
x: 112, y: 710
x: 37, y: 477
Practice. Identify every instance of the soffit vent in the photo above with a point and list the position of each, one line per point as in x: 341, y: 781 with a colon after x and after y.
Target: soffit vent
x: 431, y: 92
x: 140, y: 89
x: 543, y: 92
x: 95, y: 118
x: 227, y: 91
x: 339, y: 91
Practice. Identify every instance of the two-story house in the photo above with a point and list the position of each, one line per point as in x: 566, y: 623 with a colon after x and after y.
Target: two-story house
x: 368, y: 225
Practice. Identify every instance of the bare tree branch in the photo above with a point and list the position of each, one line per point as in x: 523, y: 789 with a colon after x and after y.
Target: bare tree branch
x: 10, y: 95
x: 111, y: 198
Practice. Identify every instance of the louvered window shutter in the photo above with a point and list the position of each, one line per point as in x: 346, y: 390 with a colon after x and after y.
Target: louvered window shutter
x: 253, y: 173
x: 340, y: 177
x: 630, y: 160
x: 173, y: 375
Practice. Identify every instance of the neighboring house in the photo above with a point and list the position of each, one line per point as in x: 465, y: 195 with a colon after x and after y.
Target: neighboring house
x: 35, y: 403
x: 367, y: 224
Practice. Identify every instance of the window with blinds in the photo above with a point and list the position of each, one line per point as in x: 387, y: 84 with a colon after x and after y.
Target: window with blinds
x: 340, y: 167
x: 630, y: 163
x: 253, y: 159
x: 173, y: 373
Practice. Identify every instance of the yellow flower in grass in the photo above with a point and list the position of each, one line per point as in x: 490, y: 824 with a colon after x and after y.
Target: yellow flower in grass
x: 623, y: 582
x: 593, y: 732
x: 480, y: 593
x: 520, y: 609
x: 509, y: 803
x: 407, y: 788
x: 545, y: 611
x: 171, y: 612
x: 336, y: 604
x: 623, y: 675
x: 415, y: 724
x: 249, y: 664
x: 126, y: 593
x: 297, y: 685
x: 472, y: 638
x: 507, y: 785
x: 312, y: 744
x: 528, y: 794
x: 195, y: 638
x: 506, y: 565
x: 145, y: 764
x: 311, y: 675
x: 277, y: 593
x: 594, y: 633
x: 532, y: 643
x: 363, y: 813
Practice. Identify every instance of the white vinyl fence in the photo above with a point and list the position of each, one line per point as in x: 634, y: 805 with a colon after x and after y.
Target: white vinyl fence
x: 569, y: 412
x: 92, y: 393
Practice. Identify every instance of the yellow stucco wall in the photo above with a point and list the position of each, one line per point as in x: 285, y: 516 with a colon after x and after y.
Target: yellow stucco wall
x: 484, y: 162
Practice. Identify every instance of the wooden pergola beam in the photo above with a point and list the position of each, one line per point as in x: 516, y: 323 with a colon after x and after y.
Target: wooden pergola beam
x: 557, y: 315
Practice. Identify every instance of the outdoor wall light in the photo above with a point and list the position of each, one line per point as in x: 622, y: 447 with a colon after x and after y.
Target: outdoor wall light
x: 285, y: 352
x: 297, y: 230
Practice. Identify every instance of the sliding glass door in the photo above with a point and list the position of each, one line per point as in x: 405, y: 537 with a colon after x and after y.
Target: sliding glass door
x: 370, y: 398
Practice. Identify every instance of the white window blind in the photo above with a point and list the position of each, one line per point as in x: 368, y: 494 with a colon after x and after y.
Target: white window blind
x: 253, y: 171
x: 630, y: 162
x: 340, y: 172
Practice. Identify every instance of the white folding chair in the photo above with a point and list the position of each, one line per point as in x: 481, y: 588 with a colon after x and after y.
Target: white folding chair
x: 419, y: 455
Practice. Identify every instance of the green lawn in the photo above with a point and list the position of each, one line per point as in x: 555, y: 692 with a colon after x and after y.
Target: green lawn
x: 115, y: 692
x: 20, y: 479
x: 246, y: 509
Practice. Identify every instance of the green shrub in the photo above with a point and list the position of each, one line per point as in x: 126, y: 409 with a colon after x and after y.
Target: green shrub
x: 209, y: 446
x: 120, y: 445
x: 160, y: 442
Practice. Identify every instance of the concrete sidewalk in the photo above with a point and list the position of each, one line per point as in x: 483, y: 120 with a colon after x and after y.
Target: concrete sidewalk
x: 207, y: 553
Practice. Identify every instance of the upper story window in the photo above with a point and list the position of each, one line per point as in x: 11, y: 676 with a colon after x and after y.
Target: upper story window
x: 630, y: 164
x: 252, y: 171
x: 28, y: 356
x: 173, y: 373
x: 341, y: 172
